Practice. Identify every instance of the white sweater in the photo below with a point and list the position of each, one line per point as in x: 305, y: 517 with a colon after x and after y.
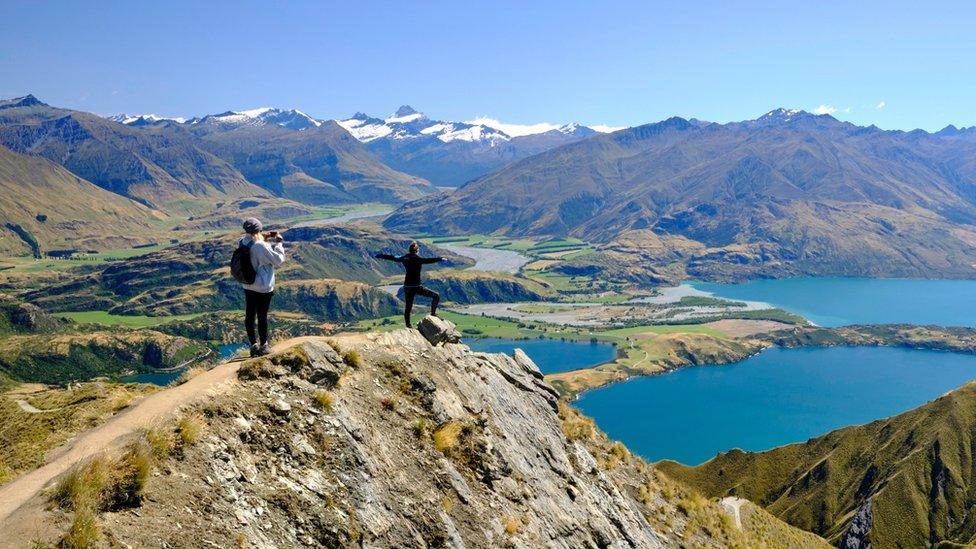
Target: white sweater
x: 264, y: 257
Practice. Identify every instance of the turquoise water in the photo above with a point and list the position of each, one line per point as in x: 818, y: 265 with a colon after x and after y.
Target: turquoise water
x: 550, y: 355
x: 165, y: 378
x: 777, y: 397
x: 842, y: 301
x: 155, y: 378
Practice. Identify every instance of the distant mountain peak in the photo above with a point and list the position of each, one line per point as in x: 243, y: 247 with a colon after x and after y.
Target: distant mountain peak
x: 26, y: 101
x: 405, y: 110
x: 293, y: 119
x: 144, y: 119
x: 783, y: 114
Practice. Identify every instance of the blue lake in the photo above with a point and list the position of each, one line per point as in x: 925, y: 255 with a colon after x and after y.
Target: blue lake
x: 550, y: 355
x: 777, y: 397
x: 842, y: 301
x: 165, y: 378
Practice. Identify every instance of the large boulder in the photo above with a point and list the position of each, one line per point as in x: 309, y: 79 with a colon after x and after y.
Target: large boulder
x: 439, y: 331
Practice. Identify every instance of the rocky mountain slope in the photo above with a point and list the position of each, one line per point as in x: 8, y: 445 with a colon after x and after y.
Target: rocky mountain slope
x: 37, y: 218
x: 315, y: 162
x: 453, y: 153
x: 788, y: 193
x: 156, y: 165
x: 187, y: 168
x: 385, y: 440
x: 905, y: 481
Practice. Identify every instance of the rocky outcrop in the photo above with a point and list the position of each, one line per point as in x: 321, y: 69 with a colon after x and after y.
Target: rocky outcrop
x: 385, y: 440
x: 439, y: 331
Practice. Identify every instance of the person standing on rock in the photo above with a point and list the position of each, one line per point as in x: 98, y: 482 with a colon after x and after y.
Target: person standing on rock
x: 265, y: 251
x: 413, y: 263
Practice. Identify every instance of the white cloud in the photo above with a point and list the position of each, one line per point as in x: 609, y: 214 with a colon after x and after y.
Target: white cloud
x: 825, y: 109
x: 603, y: 128
x: 881, y: 105
x: 515, y: 130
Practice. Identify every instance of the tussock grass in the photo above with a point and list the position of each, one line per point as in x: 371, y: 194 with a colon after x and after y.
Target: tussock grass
x: 84, y: 531
x: 162, y: 442
x: 616, y: 455
x: 352, y: 359
x: 324, y: 399
x: 575, y: 425
x: 420, y: 427
x: 189, y: 374
x: 190, y: 428
x: 446, y: 436
x: 512, y: 525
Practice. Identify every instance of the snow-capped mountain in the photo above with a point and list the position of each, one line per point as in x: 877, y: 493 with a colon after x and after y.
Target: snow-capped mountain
x: 292, y: 119
x: 408, y: 123
x: 452, y: 153
x: 444, y: 152
x: 144, y: 119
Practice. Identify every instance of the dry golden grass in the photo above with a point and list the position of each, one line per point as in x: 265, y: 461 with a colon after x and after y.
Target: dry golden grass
x: 575, y: 425
x: 352, y: 359
x: 84, y: 531
x: 324, y: 399
x: 190, y: 428
x: 189, y: 374
x: 446, y: 436
x: 162, y: 442
x: 512, y: 525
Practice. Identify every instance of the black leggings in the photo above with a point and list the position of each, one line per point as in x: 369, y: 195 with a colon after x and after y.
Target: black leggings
x: 409, y: 292
x: 257, y: 303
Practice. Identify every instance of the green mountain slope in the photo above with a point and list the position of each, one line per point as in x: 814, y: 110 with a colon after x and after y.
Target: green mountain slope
x: 905, y: 481
x: 45, y: 207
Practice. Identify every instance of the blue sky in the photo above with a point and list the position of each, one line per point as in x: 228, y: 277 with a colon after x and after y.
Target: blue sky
x: 617, y: 63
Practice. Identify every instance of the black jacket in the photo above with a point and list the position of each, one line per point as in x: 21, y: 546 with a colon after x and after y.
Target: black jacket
x: 412, y: 263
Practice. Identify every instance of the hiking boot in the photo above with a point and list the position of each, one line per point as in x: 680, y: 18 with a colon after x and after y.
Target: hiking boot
x: 264, y: 350
x: 255, y: 350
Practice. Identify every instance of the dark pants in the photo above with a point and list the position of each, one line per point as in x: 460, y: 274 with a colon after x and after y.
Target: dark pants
x: 410, y: 292
x: 257, y: 304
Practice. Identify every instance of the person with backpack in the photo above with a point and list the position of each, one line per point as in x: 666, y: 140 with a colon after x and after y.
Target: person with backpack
x: 253, y: 265
x: 413, y: 263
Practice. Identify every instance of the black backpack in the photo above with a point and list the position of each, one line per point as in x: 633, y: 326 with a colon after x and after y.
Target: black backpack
x: 240, y: 265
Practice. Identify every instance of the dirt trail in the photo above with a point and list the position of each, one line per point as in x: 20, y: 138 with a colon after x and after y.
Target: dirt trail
x: 31, y: 409
x: 154, y: 408
x: 732, y: 505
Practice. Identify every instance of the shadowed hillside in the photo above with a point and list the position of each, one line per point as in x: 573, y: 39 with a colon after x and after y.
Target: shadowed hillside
x: 44, y: 207
x: 905, y: 481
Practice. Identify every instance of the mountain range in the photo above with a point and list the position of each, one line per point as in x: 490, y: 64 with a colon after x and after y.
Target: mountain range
x: 452, y: 153
x: 787, y: 193
x: 187, y: 167
x: 442, y: 152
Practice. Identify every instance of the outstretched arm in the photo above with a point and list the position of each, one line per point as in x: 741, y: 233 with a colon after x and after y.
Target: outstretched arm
x: 428, y: 260
x: 389, y: 257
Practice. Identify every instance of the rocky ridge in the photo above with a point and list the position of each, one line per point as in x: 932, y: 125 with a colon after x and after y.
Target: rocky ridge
x: 385, y: 440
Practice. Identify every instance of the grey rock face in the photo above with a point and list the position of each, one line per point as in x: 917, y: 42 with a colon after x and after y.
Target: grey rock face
x: 439, y: 331
x: 421, y: 445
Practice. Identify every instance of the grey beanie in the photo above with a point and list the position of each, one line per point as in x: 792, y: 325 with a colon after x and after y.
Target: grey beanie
x: 252, y: 225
